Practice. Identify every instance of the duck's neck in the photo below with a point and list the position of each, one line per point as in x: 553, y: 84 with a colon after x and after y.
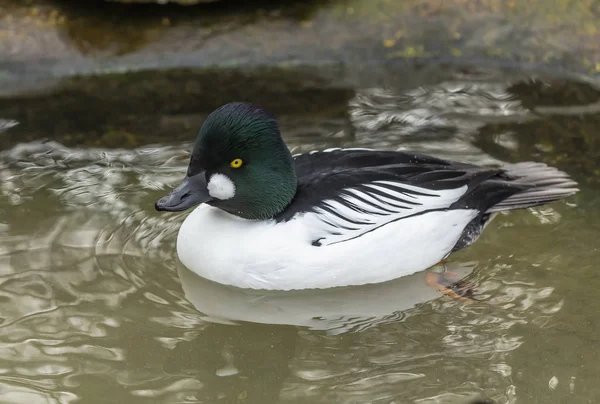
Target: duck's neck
x: 277, y: 183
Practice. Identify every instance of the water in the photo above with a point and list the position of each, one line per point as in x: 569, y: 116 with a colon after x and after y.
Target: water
x: 96, y: 308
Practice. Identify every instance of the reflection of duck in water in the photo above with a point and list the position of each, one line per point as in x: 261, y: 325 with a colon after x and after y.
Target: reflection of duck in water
x: 268, y: 357
x: 335, y: 310
x: 340, y: 217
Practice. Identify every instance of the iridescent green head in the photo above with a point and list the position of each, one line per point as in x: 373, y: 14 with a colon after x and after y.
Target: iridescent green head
x: 239, y: 164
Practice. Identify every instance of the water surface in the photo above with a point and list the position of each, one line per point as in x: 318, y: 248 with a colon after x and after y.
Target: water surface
x: 96, y: 307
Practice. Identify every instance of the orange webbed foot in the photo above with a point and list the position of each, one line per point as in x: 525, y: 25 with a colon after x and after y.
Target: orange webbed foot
x: 447, y: 283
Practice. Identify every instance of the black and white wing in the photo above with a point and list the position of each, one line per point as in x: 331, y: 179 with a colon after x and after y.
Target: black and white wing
x: 344, y: 194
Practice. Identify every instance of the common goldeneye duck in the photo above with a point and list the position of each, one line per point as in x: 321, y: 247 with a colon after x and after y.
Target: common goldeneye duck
x: 264, y: 219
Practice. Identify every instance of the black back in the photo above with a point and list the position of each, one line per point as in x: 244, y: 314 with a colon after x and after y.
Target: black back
x: 323, y: 176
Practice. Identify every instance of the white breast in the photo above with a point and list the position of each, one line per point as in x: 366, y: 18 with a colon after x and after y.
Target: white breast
x: 269, y: 255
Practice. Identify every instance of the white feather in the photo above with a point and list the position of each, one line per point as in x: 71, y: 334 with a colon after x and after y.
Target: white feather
x: 332, y: 149
x: 221, y: 187
x: 269, y: 255
x: 364, y: 211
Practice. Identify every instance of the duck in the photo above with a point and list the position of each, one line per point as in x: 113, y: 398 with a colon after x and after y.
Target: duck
x: 262, y: 218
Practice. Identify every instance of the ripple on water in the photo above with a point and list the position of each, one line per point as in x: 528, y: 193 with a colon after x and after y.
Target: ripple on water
x: 95, y: 304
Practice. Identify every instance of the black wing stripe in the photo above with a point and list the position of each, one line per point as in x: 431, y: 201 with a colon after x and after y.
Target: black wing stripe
x: 400, y: 189
x: 371, y: 199
x: 357, y: 205
x: 357, y: 195
x: 327, y: 207
x: 378, y: 196
x: 393, y: 194
x: 360, y: 209
x: 336, y: 226
x: 390, y: 199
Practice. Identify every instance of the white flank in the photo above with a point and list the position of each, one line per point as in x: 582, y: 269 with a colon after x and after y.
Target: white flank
x: 221, y: 187
x: 382, y: 231
x: 376, y: 205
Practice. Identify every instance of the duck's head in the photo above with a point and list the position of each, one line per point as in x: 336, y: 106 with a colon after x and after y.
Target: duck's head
x: 239, y: 164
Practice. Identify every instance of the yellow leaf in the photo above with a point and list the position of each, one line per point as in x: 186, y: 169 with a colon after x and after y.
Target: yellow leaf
x: 388, y: 43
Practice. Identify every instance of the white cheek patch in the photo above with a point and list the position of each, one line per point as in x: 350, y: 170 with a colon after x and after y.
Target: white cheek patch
x: 221, y: 187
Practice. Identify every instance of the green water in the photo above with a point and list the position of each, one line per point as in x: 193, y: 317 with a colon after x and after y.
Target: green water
x: 96, y: 308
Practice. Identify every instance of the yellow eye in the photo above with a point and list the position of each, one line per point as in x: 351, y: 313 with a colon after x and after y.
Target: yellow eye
x: 237, y: 163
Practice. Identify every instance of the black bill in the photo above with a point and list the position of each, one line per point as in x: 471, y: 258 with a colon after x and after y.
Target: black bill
x: 191, y: 192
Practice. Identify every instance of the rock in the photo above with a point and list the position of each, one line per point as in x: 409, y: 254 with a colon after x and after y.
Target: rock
x: 42, y: 41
